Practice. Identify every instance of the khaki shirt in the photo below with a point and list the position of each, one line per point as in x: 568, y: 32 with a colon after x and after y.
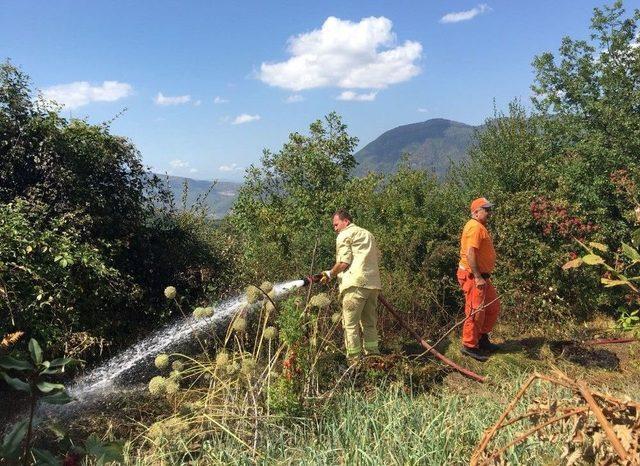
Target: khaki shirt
x: 357, y: 247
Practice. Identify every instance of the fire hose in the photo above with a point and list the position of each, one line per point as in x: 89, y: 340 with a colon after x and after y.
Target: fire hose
x: 396, y: 313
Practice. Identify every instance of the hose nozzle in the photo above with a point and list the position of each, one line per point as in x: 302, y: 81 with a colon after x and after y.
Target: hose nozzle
x: 312, y: 279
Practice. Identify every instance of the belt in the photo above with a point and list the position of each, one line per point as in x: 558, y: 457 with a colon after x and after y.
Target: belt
x: 486, y: 276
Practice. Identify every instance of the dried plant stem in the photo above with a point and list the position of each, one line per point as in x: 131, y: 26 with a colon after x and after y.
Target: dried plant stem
x: 486, y: 438
x: 533, y: 430
x: 608, y: 430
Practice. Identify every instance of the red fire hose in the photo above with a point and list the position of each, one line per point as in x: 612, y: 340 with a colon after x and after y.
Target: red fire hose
x: 396, y: 313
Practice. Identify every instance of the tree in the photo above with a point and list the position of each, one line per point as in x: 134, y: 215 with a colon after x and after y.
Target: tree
x: 590, y: 95
x: 285, y: 205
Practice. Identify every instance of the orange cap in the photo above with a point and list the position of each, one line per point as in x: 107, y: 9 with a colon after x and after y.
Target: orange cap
x: 480, y: 202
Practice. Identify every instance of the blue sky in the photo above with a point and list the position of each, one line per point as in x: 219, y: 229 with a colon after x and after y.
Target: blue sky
x: 207, y: 85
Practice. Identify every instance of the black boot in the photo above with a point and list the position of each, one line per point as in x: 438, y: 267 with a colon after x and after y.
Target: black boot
x: 486, y: 345
x: 474, y: 353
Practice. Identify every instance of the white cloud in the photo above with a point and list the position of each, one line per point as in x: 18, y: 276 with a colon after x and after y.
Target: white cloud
x: 193, y: 170
x: 161, y: 99
x: 179, y: 163
x: 293, y: 98
x: 466, y: 15
x: 347, y: 55
x: 197, y: 103
x: 354, y: 96
x: 79, y: 93
x: 219, y: 100
x: 229, y: 168
x: 423, y: 110
x: 245, y: 118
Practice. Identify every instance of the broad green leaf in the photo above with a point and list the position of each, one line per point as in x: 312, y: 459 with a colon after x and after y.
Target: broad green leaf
x: 52, y: 370
x: 62, y: 362
x: 599, y: 246
x: 7, y: 362
x: 45, y: 457
x: 572, y: 264
x: 46, y: 387
x: 12, y: 440
x: 60, y: 398
x: 608, y: 283
x: 635, y: 238
x: 35, y: 351
x: 630, y: 252
x: 16, y: 384
x: 592, y: 259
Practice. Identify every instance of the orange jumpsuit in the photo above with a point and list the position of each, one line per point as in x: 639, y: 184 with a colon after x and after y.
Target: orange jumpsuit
x: 476, y: 235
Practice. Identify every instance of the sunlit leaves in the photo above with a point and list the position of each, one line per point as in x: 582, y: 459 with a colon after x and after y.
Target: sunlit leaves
x: 572, y: 264
x: 592, y: 259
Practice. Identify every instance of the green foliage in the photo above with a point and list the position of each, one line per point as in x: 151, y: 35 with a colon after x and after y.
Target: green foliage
x: 49, y: 276
x: 284, y: 398
x: 33, y: 379
x: 567, y: 171
x: 618, y: 271
x: 290, y: 321
x: 285, y: 205
x: 88, y: 237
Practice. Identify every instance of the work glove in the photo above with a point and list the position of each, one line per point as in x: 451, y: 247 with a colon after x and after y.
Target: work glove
x: 326, y: 277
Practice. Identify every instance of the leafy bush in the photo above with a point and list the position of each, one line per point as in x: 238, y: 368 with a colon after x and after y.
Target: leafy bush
x: 49, y: 277
x: 89, y: 236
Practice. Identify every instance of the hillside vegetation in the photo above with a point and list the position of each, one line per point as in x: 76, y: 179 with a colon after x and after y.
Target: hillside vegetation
x: 89, y: 243
x: 432, y: 145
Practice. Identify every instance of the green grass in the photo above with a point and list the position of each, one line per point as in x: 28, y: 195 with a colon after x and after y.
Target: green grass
x: 383, y: 426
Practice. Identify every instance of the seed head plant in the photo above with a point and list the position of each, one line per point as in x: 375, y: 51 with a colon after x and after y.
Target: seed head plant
x: 267, y: 287
x: 269, y: 307
x: 175, y: 376
x: 321, y: 301
x: 253, y: 294
x: 170, y: 292
x: 171, y: 387
x: 232, y: 368
x: 162, y: 361
x: 202, y: 312
x: 222, y: 359
x: 157, y: 385
x: 177, y: 365
x: 336, y: 317
x: 248, y: 365
x: 270, y: 333
x: 240, y: 324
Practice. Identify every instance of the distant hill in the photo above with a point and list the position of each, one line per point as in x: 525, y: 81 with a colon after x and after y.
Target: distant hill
x: 219, y: 200
x: 431, y: 144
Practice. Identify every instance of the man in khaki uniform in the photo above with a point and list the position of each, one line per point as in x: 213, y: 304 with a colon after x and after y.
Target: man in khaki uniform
x: 357, y: 269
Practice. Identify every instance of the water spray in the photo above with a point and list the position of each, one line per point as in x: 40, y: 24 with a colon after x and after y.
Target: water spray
x: 103, y: 377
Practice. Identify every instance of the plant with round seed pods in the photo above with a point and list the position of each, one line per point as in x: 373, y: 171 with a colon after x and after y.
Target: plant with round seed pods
x: 270, y: 333
x: 162, y: 361
x: 240, y: 324
x: 157, y: 385
x: 170, y: 292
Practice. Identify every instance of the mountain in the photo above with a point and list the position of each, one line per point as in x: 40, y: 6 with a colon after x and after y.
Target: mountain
x: 219, y: 200
x: 431, y: 144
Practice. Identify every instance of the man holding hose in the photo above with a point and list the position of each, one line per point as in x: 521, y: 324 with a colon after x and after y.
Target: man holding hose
x: 357, y: 268
x: 477, y: 261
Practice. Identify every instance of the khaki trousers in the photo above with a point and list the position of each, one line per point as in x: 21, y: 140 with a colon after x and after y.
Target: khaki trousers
x: 359, y: 317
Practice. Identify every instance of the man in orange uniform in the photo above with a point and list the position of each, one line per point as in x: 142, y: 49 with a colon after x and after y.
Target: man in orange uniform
x: 477, y: 261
